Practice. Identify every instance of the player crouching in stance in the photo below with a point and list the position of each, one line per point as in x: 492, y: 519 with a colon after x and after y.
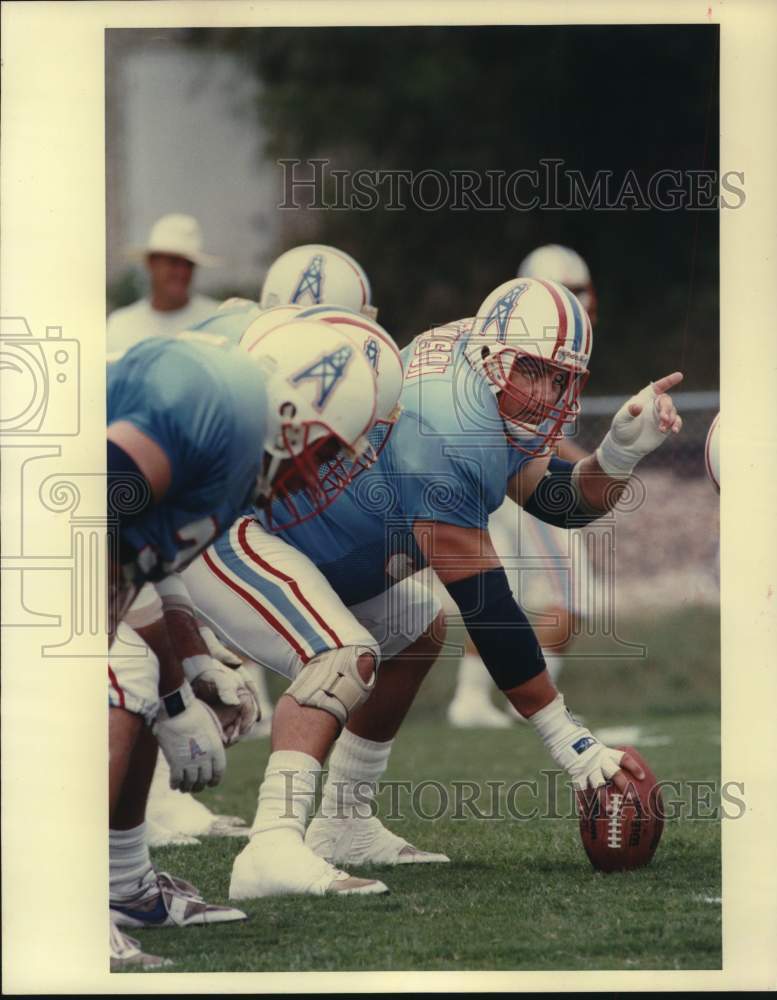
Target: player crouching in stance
x: 523, y: 542
x: 266, y: 600
x: 482, y: 404
x: 196, y: 431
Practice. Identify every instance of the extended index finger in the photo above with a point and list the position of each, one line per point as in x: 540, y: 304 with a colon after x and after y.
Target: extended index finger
x: 667, y: 382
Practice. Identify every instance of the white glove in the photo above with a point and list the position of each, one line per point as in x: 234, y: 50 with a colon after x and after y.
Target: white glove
x: 573, y: 747
x: 221, y: 687
x: 217, y: 649
x: 189, y: 735
x: 629, y: 438
x: 249, y: 693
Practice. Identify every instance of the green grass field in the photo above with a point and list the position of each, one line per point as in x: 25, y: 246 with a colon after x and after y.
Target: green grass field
x: 519, y: 894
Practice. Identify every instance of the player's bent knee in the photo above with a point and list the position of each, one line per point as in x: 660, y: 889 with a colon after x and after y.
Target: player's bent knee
x: 337, y: 681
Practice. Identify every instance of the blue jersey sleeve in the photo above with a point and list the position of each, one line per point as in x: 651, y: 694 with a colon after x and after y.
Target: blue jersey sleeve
x: 180, y: 405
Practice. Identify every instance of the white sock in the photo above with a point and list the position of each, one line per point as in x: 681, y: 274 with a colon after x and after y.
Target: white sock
x: 473, y: 678
x: 355, y: 767
x: 287, y: 794
x: 130, y: 862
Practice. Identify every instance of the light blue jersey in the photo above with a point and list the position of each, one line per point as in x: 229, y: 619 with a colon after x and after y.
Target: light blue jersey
x: 205, y: 406
x: 447, y: 460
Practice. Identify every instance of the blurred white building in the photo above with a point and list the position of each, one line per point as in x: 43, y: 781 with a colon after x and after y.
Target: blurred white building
x: 181, y: 136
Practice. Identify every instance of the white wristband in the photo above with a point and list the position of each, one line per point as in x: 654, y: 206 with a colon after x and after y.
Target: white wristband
x: 616, y: 462
x: 560, y: 731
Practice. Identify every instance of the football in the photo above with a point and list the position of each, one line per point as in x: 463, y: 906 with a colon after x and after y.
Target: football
x: 621, y: 831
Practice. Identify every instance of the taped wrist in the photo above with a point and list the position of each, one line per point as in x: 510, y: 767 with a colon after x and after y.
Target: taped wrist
x: 617, y: 462
x: 556, y: 499
x: 561, y: 733
x: 499, y: 629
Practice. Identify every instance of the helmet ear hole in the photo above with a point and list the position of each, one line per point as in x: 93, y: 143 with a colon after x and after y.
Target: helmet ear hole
x: 484, y: 352
x: 287, y: 410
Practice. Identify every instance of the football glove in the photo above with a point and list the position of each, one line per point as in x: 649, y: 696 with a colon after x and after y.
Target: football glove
x: 190, y: 737
x: 573, y: 747
x: 217, y: 649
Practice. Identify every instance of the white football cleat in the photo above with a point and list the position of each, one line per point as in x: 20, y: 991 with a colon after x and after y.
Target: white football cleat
x: 174, y: 814
x: 160, y: 836
x: 476, y: 713
x: 126, y: 953
x: 283, y: 866
x: 364, y: 841
x: 170, y: 902
x: 228, y: 826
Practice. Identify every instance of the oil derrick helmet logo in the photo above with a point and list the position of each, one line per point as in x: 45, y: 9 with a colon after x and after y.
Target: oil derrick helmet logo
x: 328, y: 372
x: 310, y: 282
x: 501, y: 312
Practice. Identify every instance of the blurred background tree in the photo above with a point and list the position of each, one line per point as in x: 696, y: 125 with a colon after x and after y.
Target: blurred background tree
x: 640, y: 98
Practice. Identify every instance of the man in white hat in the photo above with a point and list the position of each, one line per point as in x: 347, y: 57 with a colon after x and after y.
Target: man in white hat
x: 173, y: 250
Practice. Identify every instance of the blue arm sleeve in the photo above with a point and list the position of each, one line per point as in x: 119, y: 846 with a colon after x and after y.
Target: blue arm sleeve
x: 556, y: 501
x: 499, y: 629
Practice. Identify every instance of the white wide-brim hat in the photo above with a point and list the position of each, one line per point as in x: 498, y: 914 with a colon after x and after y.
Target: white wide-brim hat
x: 179, y: 235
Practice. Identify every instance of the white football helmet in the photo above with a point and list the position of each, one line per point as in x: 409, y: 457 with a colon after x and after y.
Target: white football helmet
x: 266, y: 321
x: 236, y: 302
x: 537, y: 325
x: 321, y: 404
x: 566, y: 267
x: 314, y: 275
x: 712, y: 453
x: 381, y: 351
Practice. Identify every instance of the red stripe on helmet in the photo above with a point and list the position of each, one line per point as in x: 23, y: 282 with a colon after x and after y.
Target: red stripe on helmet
x: 347, y: 320
x: 561, y: 336
x: 350, y: 263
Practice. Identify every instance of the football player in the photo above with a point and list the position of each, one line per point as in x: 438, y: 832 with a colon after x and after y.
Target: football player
x: 523, y: 541
x: 306, y: 277
x: 197, y: 430
x: 483, y: 403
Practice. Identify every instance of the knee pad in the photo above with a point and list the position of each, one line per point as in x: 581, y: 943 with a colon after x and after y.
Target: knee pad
x: 331, y: 681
